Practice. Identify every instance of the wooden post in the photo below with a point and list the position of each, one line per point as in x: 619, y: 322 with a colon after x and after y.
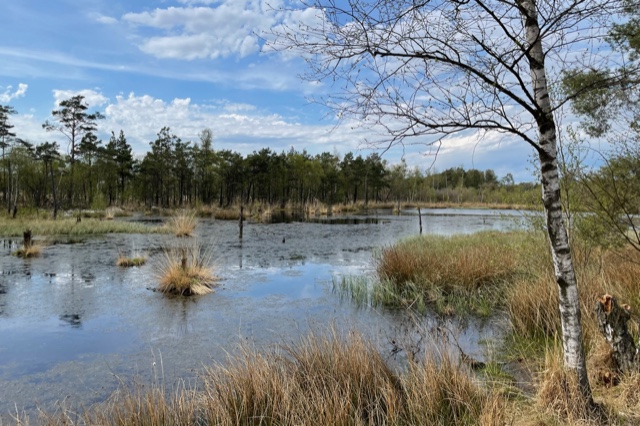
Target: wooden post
x: 420, y: 219
x: 27, y: 238
x: 241, y: 220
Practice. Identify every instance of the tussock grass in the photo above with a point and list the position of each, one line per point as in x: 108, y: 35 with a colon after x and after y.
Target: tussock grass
x: 136, y: 260
x: 183, y: 223
x: 69, y: 226
x: 320, y: 380
x: 28, y: 252
x: 186, y: 271
x: 453, y: 274
x: 332, y: 381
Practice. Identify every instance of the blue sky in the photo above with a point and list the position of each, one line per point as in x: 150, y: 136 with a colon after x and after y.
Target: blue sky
x: 190, y: 65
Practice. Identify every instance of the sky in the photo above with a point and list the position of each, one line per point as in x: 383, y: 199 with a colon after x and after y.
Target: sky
x: 191, y: 65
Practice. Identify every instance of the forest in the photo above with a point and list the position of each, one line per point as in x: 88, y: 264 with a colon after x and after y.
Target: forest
x: 91, y: 174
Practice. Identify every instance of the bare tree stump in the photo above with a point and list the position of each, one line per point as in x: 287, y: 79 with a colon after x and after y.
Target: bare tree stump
x: 26, y: 236
x: 612, y: 322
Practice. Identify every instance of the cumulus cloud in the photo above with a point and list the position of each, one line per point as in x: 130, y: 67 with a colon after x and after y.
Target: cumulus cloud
x: 9, y: 94
x: 239, y: 127
x: 226, y: 28
x: 93, y: 98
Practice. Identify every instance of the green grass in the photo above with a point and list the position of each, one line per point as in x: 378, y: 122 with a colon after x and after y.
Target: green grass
x: 69, y: 226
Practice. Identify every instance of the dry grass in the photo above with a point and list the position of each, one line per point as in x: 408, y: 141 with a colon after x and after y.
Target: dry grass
x: 183, y: 223
x: 136, y: 260
x: 455, y: 274
x: 332, y: 381
x: 559, y: 394
x: 33, y: 250
x: 229, y: 213
x: 186, y: 271
x: 326, y: 380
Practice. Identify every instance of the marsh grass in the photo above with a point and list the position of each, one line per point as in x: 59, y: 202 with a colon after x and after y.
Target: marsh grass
x: 135, y: 260
x: 333, y: 381
x: 228, y: 213
x: 560, y: 397
x: 458, y: 274
x: 33, y: 250
x: 320, y: 380
x: 69, y: 226
x: 182, y: 223
x: 186, y: 271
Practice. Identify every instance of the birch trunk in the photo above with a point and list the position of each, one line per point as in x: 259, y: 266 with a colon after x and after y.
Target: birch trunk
x: 574, y: 357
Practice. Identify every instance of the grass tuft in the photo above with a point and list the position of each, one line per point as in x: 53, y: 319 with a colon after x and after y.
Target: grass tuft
x: 186, y: 271
x: 127, y: 262
x: 28, y: 252
x: 459, y: 274
x: 182, y: 224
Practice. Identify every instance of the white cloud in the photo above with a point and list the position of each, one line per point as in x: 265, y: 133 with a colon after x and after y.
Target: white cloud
x: 107, y: 20
x: 239, y: 127
x: 93, y: 98
x: 228, y: 28
x: 8, y: 96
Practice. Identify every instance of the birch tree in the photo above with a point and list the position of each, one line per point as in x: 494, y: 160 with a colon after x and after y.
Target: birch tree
x: 424, y: 70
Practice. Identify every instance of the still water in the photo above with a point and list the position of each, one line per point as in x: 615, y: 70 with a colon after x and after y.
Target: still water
x: 73, y: 325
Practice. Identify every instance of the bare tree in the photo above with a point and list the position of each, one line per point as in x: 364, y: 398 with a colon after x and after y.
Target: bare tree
x: 429, y: 69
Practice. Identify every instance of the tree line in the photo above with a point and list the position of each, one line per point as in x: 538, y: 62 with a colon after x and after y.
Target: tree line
x: 177, y: 173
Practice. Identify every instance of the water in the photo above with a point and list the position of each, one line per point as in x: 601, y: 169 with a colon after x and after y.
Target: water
x: 73, y: 325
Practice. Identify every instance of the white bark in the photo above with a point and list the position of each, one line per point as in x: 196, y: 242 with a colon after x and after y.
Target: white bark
x: 574, y: 357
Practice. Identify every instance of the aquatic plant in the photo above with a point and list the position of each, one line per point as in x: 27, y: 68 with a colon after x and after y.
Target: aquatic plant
x: 186, y: 271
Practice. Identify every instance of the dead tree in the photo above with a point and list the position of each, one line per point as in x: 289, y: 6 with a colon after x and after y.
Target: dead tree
x: 612, y: 322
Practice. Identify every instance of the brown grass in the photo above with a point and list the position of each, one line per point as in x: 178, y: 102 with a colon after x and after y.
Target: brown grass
x: 186, y: 271
x: 559, y: 394
x: 183, y: 223
x: 463, y: 273
x: 126, y: 262
x: 328, y: 380
x: 28, y: 252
